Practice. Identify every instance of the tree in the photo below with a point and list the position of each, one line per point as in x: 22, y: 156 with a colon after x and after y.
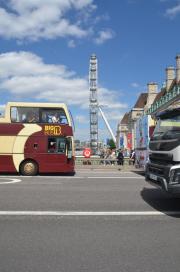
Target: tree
x: 111, y: 144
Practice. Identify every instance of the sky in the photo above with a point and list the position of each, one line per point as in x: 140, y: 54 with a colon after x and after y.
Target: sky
x: 45, y: 47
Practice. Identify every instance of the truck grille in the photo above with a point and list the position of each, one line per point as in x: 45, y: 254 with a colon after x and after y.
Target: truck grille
x: 159, y: 170
x: 156, y: 171
x: 164, y: 159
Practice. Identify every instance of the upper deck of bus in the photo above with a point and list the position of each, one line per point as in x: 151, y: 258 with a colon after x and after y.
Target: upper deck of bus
x: 39, y: 109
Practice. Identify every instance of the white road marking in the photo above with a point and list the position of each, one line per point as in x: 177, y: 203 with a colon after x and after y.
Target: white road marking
x: 102, y: 172
x: 116, y: 177
x: 10, y: 180
x: 83, y: 177
x: 89, y: 213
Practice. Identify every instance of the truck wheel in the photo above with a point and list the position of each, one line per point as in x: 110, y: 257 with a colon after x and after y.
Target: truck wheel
x: 29, y: 168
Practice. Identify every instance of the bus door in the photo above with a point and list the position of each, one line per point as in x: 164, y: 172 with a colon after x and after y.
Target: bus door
x: 69, y: 151
x: 57, y: 157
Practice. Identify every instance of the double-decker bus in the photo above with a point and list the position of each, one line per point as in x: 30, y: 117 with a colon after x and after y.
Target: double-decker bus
x: 36, y: 138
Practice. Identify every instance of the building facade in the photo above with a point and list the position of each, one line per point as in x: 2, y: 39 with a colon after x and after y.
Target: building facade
x: 150, y: 103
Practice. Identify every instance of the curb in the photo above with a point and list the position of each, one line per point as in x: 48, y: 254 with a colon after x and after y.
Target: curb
x: 109, y: 168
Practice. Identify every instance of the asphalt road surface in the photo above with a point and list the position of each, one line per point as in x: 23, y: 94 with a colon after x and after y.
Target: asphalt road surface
x: 96, y: 221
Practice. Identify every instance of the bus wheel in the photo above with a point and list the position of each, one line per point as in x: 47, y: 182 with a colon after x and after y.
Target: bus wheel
x: 29, y: 168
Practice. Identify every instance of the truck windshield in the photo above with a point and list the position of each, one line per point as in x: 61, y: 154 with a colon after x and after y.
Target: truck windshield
x: 167, y: 129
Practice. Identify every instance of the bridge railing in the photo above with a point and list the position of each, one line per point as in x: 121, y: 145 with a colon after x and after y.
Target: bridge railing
x: 100, y: 161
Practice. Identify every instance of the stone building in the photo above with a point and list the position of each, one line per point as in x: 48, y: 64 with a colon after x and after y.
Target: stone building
x: 122, y: 131
x: 126, y: 127
x: 169, y: 96
x: 151, y: 102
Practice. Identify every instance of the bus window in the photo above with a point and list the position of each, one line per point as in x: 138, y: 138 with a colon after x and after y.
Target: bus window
x: 53, y: 116
x: 14, y: 115
x: 24, y: 115
x: 52, y: 145
x: 56, y: 145
x: 61, y: 145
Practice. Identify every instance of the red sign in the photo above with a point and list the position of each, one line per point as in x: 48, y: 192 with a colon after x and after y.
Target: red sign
x: 129, y: 141
x: 87, y: 152
x: 151, y: 130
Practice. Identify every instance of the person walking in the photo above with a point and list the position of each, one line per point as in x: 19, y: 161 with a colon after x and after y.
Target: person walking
x: 113, y: 157
x: 120, y: 158
x: 132, y: 157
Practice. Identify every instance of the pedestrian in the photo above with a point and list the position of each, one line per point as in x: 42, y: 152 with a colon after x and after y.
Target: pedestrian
x: 120, y: 158
x: 107, y: 156
x: 133, y: 156
x: 113, y: 157
x: 102, y: 156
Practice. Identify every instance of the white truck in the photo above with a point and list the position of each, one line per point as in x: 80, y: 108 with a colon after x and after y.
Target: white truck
x: 163, y: 166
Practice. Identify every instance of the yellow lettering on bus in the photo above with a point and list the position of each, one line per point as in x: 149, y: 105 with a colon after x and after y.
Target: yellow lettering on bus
x: 52, y: 130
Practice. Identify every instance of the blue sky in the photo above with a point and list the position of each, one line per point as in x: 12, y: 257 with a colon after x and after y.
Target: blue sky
x: 45, y: 46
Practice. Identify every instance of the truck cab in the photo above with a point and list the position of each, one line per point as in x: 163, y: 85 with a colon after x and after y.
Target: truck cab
x: 163, y: 165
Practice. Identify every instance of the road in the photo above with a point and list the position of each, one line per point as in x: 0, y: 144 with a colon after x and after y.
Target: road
x: 96, y: 221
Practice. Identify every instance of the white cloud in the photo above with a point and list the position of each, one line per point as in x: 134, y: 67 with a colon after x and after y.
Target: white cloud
x: 35, y: 79
x: 104, y: 35
x: 110, y: 99
x: 135, y: 85
x: 24, y: 75
x: 33, y: 20
x: 82, y: 119
x: 71, y: 44
x: 28, y: 64
x: 46, y: 19
x: 104, y: 17
x: 173, y: 12
x: 111, y: 114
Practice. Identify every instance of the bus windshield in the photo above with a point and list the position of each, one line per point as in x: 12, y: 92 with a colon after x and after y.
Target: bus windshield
x: 167, y: 129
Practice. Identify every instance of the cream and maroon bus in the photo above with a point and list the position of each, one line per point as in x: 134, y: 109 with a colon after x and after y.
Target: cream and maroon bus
x: 36, y: 138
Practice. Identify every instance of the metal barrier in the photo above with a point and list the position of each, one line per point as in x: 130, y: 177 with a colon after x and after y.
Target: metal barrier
x: 100, y: 161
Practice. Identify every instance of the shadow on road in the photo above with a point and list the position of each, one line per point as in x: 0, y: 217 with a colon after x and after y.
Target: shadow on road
x: 161, y: 201
x: 138, y: 172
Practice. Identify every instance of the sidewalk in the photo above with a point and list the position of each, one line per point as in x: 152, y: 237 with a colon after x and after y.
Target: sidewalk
x: 106, y: 168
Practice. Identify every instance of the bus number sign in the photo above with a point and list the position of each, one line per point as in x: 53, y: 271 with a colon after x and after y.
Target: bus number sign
x: 52, y: 130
